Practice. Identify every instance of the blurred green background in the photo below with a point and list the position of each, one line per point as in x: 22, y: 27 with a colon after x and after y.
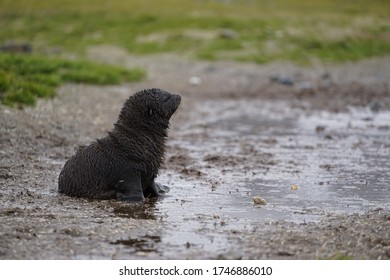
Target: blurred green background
x: 260, y: 31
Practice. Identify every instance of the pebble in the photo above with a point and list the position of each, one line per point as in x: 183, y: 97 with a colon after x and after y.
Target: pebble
x: 294, y: 187
x: 258, y: 200
x: 228, y: 34
x: 195, y: 81
x: 282, y: 79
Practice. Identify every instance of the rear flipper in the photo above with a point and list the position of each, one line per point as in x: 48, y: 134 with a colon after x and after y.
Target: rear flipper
x: 129, y: 189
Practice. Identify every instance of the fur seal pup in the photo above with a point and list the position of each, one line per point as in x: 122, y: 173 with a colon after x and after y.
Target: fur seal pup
x: 124, y: 164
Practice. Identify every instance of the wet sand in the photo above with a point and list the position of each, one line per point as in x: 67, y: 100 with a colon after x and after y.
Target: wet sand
x: 316, y: 150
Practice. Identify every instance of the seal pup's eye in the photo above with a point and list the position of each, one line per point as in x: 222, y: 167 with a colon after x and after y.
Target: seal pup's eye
x: 150, y: 112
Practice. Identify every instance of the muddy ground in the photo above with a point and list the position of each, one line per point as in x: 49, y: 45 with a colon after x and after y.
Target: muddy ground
x: 314, y: 143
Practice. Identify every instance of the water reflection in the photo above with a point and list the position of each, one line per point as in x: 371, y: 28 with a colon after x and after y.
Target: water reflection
x: 143, y: 210
x: 145, y: 244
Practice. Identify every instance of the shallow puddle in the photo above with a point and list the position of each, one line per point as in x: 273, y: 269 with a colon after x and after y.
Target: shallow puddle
x: 304, y: 165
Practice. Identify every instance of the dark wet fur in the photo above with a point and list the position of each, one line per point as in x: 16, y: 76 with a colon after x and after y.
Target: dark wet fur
x: 124, y: 164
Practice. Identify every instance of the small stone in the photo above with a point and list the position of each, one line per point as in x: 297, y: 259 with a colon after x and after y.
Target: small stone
x: 294, y: 187
x: 195, y: 81
x: 326, y: 75
x: 216, y: 216
x: 283, y: 80
x: 228, y: 34
x: 258, y: 200
x: 320, y: 128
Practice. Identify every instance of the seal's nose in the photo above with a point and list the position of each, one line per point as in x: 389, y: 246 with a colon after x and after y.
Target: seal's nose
x: 177, y: 97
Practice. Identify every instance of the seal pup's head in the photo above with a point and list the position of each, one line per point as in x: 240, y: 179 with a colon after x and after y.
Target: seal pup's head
x: 149, y: 109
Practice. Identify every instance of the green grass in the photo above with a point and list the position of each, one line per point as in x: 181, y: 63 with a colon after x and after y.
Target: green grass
x: 24, y: 78
x: 267, y: 30
x: 301, y: 31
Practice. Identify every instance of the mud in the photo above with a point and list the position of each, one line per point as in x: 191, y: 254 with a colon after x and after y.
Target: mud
x: 316, y: 150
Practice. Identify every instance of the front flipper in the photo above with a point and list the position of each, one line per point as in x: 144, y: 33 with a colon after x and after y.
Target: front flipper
x: 129, y: 189
x: 155, y: 190
x: 161, y: 189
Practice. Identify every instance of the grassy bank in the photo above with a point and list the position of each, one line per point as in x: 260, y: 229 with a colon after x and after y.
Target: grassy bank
x: 302, y: 31
x: 245, y: 30
x: 24, y: 78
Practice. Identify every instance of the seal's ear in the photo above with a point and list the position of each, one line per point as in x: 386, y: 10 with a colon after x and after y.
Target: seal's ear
x: 150, y: 112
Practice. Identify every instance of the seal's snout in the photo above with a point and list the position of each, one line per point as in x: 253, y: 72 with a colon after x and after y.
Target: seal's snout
x: 172, y: 102
x: 177, y: 99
